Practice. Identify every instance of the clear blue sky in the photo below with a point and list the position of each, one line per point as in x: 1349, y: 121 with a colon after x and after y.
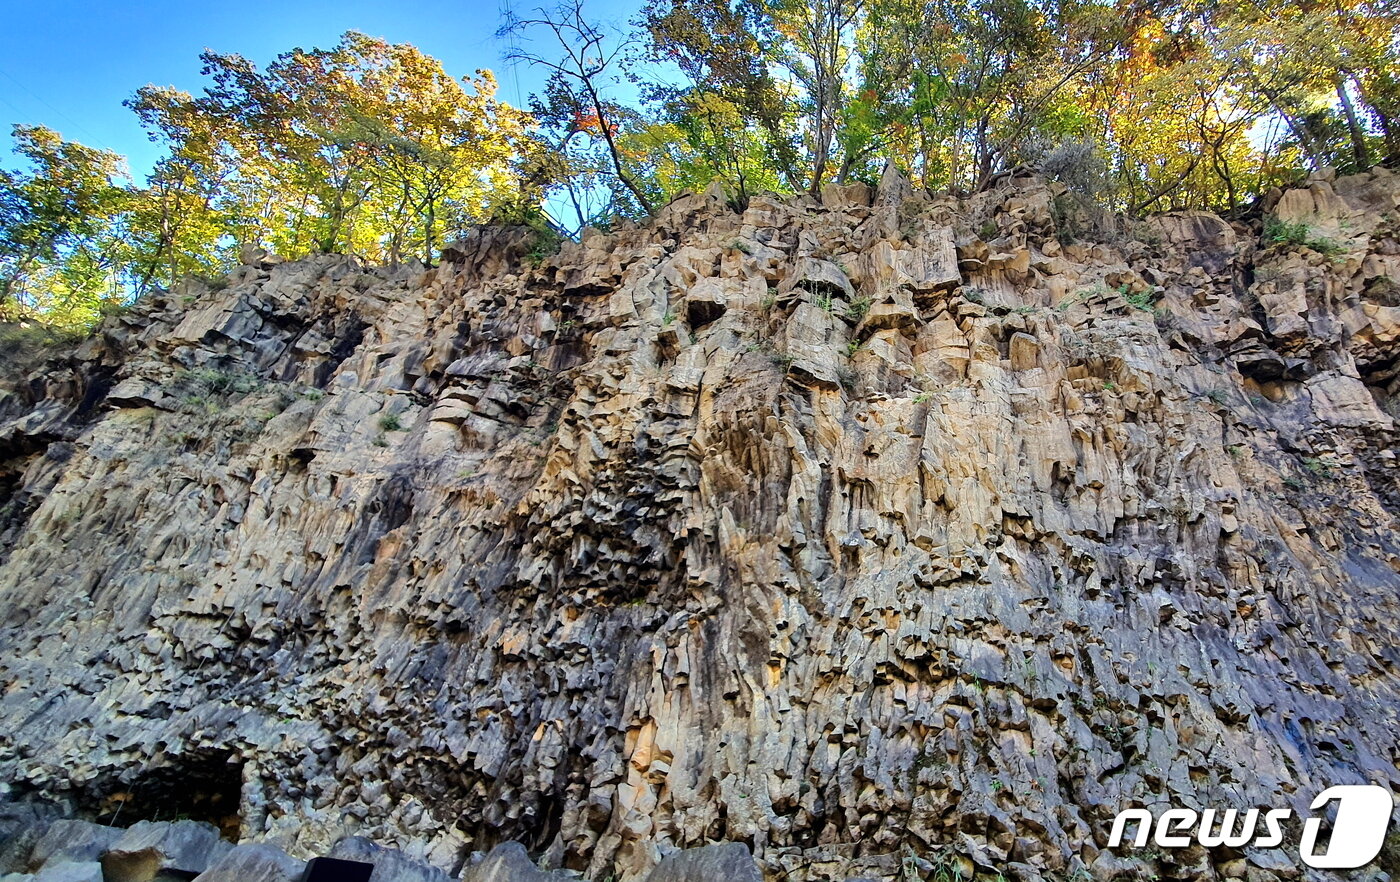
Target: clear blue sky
x: 69, y: 65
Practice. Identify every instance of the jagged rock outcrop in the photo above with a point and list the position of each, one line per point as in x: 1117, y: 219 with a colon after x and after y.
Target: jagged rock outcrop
x: 890, y: 535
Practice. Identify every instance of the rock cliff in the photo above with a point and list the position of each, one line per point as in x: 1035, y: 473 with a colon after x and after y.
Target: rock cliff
x: 891, y: 535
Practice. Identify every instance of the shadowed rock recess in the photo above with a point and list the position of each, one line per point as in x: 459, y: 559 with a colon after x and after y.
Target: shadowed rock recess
x: 888, y: 535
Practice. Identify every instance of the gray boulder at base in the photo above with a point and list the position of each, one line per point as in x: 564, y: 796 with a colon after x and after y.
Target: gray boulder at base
x: 21, y: 826
x: 149, y: 848
x: 70, y: 871
x: 390, y: 864
x: 17, y: 846
x: 509, y: 862
x: 254, y: 863
x: 75, y: 841
x: 725, y: 862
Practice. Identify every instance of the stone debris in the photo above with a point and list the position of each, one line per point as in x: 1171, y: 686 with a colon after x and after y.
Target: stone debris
x: 886, y: 535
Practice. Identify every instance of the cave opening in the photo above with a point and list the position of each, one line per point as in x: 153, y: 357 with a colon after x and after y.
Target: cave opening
x: 197, y: 786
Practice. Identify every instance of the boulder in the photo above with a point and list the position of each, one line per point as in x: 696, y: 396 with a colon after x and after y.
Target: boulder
x: 508, y: 862
x: 724, y: 862
x: 70, y: 871
x: 75, y: 841
x: 254, y: 863
x: 390, y: 864
x: 151, y: 848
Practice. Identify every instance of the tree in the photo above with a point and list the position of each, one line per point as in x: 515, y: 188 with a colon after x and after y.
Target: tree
x: 575, y: 101
x: 366, y: 148
x: 56, y: 227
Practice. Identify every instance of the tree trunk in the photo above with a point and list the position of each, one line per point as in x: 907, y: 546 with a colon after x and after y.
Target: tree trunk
x: 1358, y: 135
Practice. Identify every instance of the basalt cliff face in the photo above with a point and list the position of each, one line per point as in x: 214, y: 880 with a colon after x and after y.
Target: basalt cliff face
x: 891, y: 535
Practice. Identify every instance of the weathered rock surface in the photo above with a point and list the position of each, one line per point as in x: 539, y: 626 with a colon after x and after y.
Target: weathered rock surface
x: 887, y: 535
x: 508, y: 862
x: 254, y: 863
x: 390, y: 865
x: 149, y: 849
x: 730, y: 861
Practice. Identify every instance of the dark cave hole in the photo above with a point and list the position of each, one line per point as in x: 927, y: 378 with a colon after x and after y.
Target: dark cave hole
x: 204, y: 786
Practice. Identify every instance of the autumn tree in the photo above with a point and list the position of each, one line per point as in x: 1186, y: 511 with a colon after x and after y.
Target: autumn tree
x: 367, y: 148
x: 58, y: 238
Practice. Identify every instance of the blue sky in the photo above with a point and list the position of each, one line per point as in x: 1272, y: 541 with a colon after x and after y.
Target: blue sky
x: 69, y: 65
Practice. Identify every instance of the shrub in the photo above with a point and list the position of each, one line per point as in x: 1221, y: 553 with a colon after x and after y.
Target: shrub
x: 1281, y: 232
x: 1077, y: 165
x: 1143, y: 300
x: 390, y: 422
x: 858, y: 308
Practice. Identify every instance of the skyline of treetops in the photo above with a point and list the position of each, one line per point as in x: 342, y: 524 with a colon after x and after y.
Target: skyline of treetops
x: 372, y: 149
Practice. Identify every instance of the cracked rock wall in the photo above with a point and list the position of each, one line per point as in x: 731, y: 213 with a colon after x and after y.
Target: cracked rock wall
x: 889, y: 534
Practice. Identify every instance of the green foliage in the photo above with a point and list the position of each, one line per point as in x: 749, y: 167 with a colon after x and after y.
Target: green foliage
x: 60, y: 244
x: 390, y: 422
x: 371, y: 149
x: 366, y: 148
x: 1281, y: 232
x: 858, y: 308
x: 1143, y: 300
x: 1317, y: 467
x: 219, y: 382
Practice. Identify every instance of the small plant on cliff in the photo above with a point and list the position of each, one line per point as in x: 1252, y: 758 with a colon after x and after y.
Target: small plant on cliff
x: 390, y: 422
x: 945, y: 867
x: 1143, y: 300
x: 668, y: 319
x: 215, y: 381
x: 1317, y: 467
x: 1281, y: 232
x: 858, y: 308
x: 545, y: 241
